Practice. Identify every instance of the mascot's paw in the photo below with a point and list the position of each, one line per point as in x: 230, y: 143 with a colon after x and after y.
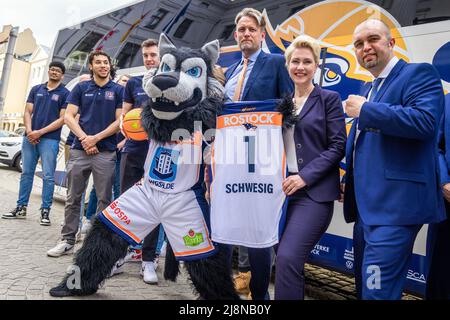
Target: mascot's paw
x: 63, y: 291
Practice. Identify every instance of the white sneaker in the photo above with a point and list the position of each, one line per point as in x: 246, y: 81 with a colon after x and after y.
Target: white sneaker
x: 117, y: 268
x: 62, y: 248
x: 149, y: 273
x: 86, y: 226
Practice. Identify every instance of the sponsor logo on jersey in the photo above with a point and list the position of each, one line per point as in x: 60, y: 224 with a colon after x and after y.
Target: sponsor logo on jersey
x: 55, y: 97
x: 119, y: 213
x: 164, y: 165
x: 254, y: 119
x: 193, y: 239
x: 109, y: 95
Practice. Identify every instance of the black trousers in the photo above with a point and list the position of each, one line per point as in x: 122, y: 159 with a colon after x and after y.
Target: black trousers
x: 131, y: 171
x: 438, y: 282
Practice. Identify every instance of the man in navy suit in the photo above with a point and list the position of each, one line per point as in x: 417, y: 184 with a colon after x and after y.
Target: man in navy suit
x: 266, y: 76
x: 257, y: 76
x: 392, y: 184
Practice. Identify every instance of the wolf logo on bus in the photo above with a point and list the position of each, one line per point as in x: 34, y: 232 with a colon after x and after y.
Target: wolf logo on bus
x: 332, y: 23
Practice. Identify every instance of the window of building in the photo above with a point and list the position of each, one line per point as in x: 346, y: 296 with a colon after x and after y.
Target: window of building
x: 89, y: 42
x: 183, y: 28
x: 227, y: 31
x: 126, y: 56
x: 120, y: 14
x: 155, y: 19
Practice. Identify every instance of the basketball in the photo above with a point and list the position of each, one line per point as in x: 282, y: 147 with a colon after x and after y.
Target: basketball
x: 132, y: 127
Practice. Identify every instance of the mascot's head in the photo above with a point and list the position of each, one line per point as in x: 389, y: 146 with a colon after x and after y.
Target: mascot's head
x: 183, y: 78
x: 183, y: 90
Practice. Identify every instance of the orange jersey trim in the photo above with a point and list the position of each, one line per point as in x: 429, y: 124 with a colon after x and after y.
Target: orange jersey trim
x: 114, y: 222
x: 254, y: 118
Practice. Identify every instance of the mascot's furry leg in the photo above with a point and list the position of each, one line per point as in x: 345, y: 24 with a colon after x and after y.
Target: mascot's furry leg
x: 211, y: 277
x: 100, y: 251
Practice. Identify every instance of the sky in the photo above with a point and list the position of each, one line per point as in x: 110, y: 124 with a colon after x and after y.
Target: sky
x: 46, y: 17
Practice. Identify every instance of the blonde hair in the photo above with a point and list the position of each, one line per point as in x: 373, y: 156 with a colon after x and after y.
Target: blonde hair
x: 252, y: 13
x: 303, y: 41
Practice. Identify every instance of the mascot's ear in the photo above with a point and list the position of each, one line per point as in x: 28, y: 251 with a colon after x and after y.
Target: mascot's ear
x: 165, y: 45
x: 212, y: 50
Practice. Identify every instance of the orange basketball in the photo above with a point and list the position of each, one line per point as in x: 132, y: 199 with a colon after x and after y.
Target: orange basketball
x: 132, y: 127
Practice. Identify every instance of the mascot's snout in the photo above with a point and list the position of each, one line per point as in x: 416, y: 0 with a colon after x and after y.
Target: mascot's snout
x: 183, y: 80
x: 166, y: 80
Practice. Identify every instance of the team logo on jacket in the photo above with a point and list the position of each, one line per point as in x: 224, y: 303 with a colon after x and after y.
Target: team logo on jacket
x: 193, y: 239
x: 55, y: 97
x: 164, y: 165
x: 109, y: 95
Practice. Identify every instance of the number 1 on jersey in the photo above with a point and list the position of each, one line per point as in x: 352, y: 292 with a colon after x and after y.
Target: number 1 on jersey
x: 250, y: 140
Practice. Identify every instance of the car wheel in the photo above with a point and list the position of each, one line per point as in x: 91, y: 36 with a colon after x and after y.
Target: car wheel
x: 18, y: 163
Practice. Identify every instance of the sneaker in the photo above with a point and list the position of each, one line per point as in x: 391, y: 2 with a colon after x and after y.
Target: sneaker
x: 20, y: 212
x: 149, y: 273
x: 45, y: 220
x: 133, y: 255
x: 117, y: 268
x: 86, y: 226
x: 242, y: 282
x: 62, y: 248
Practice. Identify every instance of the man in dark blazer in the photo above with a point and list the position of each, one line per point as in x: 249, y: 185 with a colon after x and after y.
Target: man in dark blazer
x: 392, y: 185
x: 438, y: 281
x: 257, y: 76
x: 266, y: 76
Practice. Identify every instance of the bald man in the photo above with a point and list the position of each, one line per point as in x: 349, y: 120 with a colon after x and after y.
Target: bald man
x: 392, y: 185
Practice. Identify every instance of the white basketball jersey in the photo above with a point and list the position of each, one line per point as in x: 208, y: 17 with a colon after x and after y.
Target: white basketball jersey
x: 174, y: 167
x: 248, y: 166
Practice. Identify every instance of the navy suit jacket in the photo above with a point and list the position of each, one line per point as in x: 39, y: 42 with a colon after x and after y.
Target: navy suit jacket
x: 394, y: 179
x: 444, y: 143
x: 269, y: 78
x: 320, y: 138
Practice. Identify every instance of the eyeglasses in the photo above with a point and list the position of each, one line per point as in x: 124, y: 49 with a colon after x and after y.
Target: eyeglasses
x: 55, y: 70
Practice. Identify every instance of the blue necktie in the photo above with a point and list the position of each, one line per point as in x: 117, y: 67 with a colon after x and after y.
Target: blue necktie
x: 375, y: 86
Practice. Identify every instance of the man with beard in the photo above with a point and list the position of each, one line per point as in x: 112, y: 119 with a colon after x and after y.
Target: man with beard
x: 257, y: 76
x: 392, y: 185
x: 99, y: 103
x: 43, y: 118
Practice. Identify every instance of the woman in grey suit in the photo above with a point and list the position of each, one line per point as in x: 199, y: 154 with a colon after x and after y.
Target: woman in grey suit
x: 314, y: 137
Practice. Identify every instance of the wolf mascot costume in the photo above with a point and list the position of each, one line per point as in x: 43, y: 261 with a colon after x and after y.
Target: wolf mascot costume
x: 184, y: 93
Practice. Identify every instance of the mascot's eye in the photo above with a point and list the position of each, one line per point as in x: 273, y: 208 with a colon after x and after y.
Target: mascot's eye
x: 195, y: 72
x: 165, y: 68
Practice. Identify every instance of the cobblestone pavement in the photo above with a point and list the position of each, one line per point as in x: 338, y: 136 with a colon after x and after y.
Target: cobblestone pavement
x: 27, y: 273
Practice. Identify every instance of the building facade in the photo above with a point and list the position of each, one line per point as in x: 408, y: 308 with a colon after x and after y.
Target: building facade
x: 28, y: 69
